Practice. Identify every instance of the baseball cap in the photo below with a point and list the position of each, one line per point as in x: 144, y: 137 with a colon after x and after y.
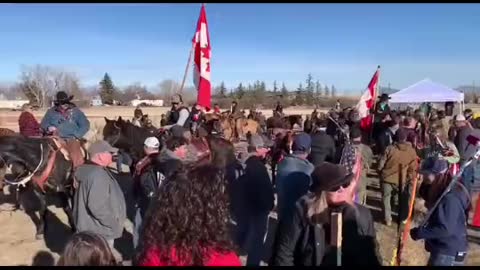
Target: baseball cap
x: 330, y: 177
x: 152, y: 142
x: 301, y: 143
x: 256, y: 141
x: 101, y: 147
x: 434, y: 166
x: 460, y: 117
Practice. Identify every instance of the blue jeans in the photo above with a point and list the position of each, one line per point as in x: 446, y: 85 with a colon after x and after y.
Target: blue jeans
x: 470, y: 175
x: 137, y: 225
x: 437, y: 259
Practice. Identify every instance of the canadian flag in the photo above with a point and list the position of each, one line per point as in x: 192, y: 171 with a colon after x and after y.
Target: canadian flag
x: 367, y: 101
x: 202, y: 53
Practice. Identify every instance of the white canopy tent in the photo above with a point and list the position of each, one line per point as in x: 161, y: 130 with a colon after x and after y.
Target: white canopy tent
x: 427, y: 91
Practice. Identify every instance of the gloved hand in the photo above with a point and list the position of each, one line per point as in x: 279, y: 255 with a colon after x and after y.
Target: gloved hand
x: 414, y: 234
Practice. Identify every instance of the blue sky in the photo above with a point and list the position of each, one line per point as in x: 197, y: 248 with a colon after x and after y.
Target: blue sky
x: 339, y: 44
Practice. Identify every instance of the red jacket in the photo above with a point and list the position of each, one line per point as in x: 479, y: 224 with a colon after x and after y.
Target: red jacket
x: 216, y: 259
x: 28, y: 125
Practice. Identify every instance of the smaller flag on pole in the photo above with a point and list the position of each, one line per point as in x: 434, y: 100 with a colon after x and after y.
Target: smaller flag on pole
x: 367, y: 102
x: 202, y: 53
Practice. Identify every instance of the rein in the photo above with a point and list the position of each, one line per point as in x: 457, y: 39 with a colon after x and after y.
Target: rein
x: 118, y: 136
x: 28, y: 178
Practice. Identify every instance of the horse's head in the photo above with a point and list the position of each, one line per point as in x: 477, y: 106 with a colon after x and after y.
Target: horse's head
x: 110, y: 130
x: 114, y: 130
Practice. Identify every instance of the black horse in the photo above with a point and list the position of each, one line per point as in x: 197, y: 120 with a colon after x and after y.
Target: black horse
x: 39, y: 164
x: 130, y: 139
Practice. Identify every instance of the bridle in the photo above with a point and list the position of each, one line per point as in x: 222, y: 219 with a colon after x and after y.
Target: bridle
x: 118, y: 136
x: 27, y: 178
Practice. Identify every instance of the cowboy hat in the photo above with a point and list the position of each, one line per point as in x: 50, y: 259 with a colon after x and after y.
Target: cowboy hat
x: 384, y: 97
x: 63, y: 98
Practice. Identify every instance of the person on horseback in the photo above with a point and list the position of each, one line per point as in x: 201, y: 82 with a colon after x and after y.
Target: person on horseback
x: 216, y: 109
x: 28, y: 125
x: 163, y: 120
x: 382, y: 106
x: 137, y: 117
x: 235, y: 116
x: 233, y: 107
x: 179, y: 114
x: 68, y: 122
x: 196, y: 115
x: 338, y: 106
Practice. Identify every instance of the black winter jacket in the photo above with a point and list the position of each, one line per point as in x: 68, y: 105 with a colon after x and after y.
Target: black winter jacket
x: 322, y: 149
x: 299, y: 242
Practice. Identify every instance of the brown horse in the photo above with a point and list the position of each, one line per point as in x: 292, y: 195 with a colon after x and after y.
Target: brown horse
x: 235, y: 129
x: 6, y: 132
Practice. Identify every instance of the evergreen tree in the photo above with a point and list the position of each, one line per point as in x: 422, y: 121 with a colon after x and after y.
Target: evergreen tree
x: 326, y: 91
x: 318, y: 88
x: 222, y: 91
x: 107, y: 90
x: 240, y: 91
x: 284, y: 91
x: 334, y: 91
x: 250, y: 88
x: 275, y: 87
x: 258, y: 94
x: 309, y: 89
x: 299, y: 95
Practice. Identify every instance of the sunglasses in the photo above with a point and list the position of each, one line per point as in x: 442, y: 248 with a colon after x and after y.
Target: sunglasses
x: 344, y: 186
x: 335, y: 189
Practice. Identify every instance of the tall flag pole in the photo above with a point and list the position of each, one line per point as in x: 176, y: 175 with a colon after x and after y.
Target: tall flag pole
x: 367, y: 102
x: 202, y: 54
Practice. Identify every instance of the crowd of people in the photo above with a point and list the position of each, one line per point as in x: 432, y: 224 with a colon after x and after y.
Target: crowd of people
x: 185, y: 207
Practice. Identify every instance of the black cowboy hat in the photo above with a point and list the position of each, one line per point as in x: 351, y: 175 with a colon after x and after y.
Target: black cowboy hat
x: 384, y: 97
x: 63, y: 98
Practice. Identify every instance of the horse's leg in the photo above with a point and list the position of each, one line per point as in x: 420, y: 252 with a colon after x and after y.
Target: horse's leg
x: 67, y: 204
x: 42, y: 213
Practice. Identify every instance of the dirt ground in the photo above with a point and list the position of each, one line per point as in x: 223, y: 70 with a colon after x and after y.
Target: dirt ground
x: 17, y: 230
x: 19, y: 246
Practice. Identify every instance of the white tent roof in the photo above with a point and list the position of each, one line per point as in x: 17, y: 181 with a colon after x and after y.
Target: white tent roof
x: 426, y: 91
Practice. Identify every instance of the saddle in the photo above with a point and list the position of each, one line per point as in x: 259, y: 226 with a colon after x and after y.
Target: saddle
x: 69, y: 152
x: 60, y: 145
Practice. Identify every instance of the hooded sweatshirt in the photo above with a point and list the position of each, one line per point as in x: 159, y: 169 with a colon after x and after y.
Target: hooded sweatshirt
x: 399, y: 155
x: 99, y: 204
x: 29, y: 126
x: 446, y: 231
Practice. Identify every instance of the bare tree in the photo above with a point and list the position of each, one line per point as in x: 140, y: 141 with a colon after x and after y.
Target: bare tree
x: 134, y: 91
x: 39, y: 83
x: 11, y: 91
x: 167, y: 88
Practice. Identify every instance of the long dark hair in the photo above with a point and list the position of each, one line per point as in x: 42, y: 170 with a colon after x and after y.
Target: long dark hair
x: 87, y: 249
x: 189, y: 216
x: 433, y: 191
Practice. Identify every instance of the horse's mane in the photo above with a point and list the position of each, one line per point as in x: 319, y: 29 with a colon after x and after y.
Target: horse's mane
x: 23, y: 149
